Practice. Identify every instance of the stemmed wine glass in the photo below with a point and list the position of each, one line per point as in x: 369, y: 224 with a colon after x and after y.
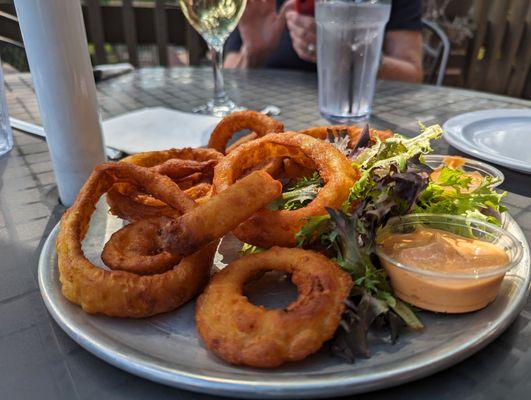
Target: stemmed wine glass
x: 215, y: 20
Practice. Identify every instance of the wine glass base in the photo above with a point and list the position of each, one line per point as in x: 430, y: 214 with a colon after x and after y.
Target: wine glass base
x: 217, y: 109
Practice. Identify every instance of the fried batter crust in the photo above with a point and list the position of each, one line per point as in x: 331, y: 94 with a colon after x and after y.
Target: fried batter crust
x: 186, y: 165
x: 244, y: 334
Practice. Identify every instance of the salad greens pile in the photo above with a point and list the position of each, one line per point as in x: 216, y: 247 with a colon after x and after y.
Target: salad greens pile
x: 452, y: 193
x: 298, y: 194
x: 394, y: 181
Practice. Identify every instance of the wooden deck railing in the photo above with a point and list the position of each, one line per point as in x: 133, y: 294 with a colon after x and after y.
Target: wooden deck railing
x: 496, y: 59
x: 132, y: 23
x: 500, y: 54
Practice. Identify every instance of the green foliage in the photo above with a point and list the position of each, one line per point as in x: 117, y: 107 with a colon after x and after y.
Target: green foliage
x: 376, y: 161
x: 250, y: 249
x: 299, y: 194
x: 452, y: 194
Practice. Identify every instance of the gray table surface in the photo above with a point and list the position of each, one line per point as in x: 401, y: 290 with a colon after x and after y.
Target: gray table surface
x: 38, y: 360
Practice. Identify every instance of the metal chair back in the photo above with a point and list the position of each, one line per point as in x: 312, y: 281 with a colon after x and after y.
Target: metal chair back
x: 436, y: 52
x: 116, y: 23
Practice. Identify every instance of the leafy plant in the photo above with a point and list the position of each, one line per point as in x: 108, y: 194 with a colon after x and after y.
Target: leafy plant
x: 250, y: 249
x: 300, y: 193
x: 453, y: 194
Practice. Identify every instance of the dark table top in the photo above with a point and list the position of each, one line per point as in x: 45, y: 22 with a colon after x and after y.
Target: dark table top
x: 38, y: 360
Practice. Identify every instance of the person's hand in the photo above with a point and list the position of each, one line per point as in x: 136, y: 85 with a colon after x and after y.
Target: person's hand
x: 303, y: 34
x: 261, y: 26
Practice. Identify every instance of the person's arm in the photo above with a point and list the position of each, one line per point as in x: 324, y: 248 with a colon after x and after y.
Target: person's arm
x: 402, y: 56
x: 260, y: 29
x: 246, y: 59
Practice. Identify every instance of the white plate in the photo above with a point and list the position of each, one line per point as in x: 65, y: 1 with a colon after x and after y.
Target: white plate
x: 502, y: 136
x: 167, y: 349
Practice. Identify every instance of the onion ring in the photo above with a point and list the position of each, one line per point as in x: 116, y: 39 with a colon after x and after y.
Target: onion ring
x: 120, y: 293
x: 129, y: 203
x: 221, y: 213
x: 268, y: 228
x: 244, y: 334
x: 257, y: 122
x: 138, y: 248
x: 179, y: 169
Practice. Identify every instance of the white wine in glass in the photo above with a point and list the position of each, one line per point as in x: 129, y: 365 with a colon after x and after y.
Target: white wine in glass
x: 215, y: 20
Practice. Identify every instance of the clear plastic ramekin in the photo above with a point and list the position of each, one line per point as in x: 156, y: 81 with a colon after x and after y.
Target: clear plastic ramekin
x: 448, y: 291
x: 437, y: 160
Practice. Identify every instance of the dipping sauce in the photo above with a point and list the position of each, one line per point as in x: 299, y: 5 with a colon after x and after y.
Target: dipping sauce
x: 456, y: 162
x: 458, y: 263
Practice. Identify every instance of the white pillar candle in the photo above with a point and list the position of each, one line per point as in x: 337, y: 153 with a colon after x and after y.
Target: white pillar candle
x: 56, y: 47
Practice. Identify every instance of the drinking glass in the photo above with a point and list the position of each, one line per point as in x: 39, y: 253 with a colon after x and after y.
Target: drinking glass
x: 6, y: 136
x: 349, y: 46
x: 215, y: 20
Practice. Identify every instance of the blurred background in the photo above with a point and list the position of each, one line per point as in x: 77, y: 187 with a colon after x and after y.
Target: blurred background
x: 488, y: 49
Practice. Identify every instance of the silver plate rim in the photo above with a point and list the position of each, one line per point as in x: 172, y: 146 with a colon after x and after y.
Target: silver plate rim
x: 453, y: 134
x: 336, y: 384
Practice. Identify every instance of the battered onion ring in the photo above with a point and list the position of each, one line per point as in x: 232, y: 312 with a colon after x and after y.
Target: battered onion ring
x: 354, y: 132
x: 138, y: 248
x: 221, y: 213
x: 179, y: 169
x: 244, y: 334
x: 269, y: 228
x: 129, y: 203
x: 257, y: 122
x: 119, y: 293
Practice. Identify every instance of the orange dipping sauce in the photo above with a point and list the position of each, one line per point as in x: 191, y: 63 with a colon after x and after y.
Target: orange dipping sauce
x: 443, y: 270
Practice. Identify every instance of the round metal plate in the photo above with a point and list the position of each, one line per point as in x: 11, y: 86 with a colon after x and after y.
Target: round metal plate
x: 492, y: 134
x: 167, y: 349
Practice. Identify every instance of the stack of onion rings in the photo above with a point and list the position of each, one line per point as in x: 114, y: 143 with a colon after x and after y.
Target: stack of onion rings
x: 120, y: 293
x: 244, y: 334
x: 269, y: 228
x: 190, y: 168
x: 153, y: 282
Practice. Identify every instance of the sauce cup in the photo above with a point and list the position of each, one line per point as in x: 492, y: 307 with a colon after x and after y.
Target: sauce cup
x: 437, y: 160
x: 448, y: 290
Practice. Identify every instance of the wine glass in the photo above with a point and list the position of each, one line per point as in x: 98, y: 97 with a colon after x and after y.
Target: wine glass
x: 215, y: 20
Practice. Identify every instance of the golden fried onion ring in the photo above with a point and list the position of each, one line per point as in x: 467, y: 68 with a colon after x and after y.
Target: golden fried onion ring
x: 128, y: 202
x: 244, y: 334
x: 139, y: 248
x: 268, y: 228
x: 120, y: 293
x: 221, y: 213
x: 257, y: 122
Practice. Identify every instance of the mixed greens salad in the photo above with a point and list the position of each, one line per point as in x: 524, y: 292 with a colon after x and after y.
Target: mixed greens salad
x: 393, y: 181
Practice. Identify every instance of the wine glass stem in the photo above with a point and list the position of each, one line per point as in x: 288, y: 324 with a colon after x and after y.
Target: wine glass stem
x: 216, y: 53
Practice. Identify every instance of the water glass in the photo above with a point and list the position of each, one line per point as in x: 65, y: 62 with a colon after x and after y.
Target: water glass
x: 349, y: 45
x: 6, y: 136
